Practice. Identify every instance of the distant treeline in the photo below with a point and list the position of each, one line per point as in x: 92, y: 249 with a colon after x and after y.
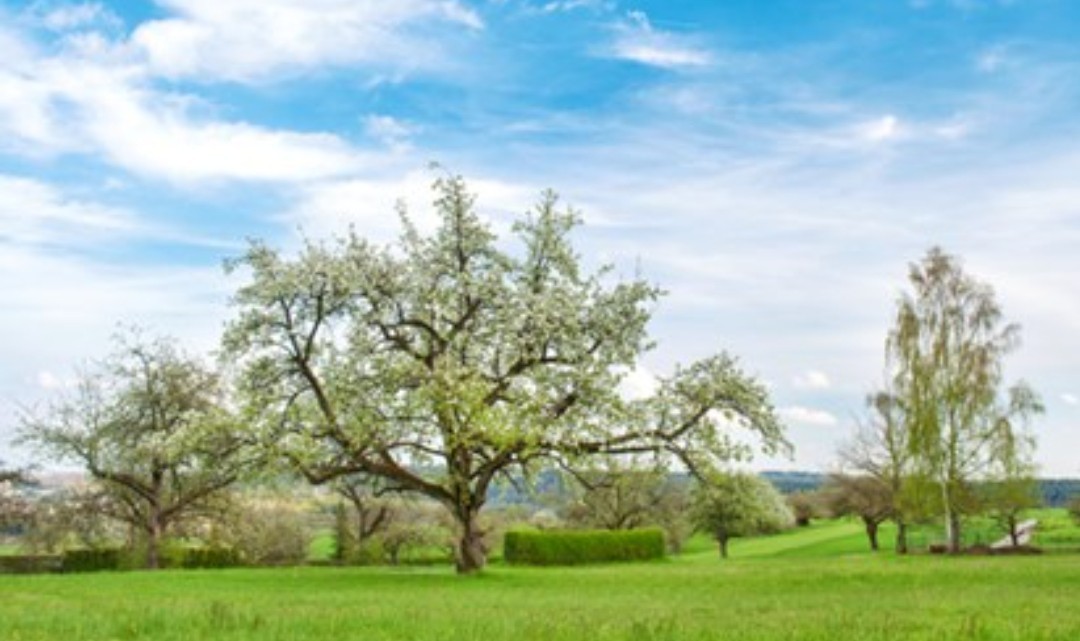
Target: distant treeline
x: 1058, y: 492
x: 791, y: 482
x: 1054, y: 492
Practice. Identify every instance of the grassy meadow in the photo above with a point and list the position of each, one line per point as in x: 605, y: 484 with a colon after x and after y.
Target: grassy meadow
x: 815, y: 583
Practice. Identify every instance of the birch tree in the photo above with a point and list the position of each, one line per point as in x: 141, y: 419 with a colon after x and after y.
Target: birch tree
x: 946, y: 352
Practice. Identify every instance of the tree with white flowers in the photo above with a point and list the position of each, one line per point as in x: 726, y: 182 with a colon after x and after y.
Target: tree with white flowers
x: 149, y: 424
x: 451, y: 359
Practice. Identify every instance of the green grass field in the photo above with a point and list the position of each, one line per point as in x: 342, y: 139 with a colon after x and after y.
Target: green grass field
x: 815, y: 583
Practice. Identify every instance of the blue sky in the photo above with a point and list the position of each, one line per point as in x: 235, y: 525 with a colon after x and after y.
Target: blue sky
x: 775, y: 165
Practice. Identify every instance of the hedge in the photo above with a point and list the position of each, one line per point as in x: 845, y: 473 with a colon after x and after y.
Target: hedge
x: 93, y: 560
x: 30, y: 564
x: 577, y: 547
x: 211, y: 558
x: 114, y: 559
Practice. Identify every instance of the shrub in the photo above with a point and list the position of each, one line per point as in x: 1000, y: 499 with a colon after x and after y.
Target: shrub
x: 1074, y: 509
x: 583, y: 546
x: 92, y: 560
x: 214, y: 557
x: 266, y: 532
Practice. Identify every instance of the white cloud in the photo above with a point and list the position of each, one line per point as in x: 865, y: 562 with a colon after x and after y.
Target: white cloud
x: 807, y: 416
x: 636, y: 40
x: 812, y: 380
x: 156, y: 140
x: 210, y: 39
x: 1070, y: 399
x: 78, y: 105
x: 558, y: 6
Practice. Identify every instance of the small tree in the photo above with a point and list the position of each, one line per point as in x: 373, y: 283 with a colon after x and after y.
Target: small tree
x: 805, y: 505
x: 1074, y: 509
x: 945, y: 351
x: 624, y: 497
x: 15, y: 509
x: 733, y: 505
x: 149, y: 424
x: 1010, y: 492
x: 881, y: 450
x: 74, y: 517
x: 366, y: 512
x: 265, y: 529
x: 866, y: 497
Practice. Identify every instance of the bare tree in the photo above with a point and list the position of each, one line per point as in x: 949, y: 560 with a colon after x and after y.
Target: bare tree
x: 866, y: 497
x: 881, y: 450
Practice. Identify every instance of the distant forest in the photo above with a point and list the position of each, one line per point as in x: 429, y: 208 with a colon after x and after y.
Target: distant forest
x: 1054, y: 492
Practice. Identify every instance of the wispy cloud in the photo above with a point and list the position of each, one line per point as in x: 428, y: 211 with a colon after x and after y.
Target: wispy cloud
x: 73, y: 16
x: 636, y: 40
x: 557, y: 6
x: 812, y: 380
x: 32, y: 213
x: 393, y: 133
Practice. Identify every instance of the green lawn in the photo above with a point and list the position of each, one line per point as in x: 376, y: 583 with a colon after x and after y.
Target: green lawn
x: 814, y: 583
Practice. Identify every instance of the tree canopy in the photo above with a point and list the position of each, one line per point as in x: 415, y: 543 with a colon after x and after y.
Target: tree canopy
x: 449, y: 359
x: 731, y: 505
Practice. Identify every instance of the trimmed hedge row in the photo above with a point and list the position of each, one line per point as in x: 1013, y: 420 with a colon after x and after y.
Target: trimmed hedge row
x: 211, y: 558
x: 109, y: 559
x: 92, y: 560
x: 577, y: 547
x: 30, y: 564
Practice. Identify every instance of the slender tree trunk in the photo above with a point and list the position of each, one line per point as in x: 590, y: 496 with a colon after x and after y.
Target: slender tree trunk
x: 1014, y: 533
x: 471, y: 553
x: 952, y: 520
x: 953, y: 530
x: 901, y: 537
x: 871, y: 533
x: 722, y: 541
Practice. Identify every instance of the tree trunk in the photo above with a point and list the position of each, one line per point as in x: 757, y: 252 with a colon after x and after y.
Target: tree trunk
x: 871, y: 533
x: 952, y: 528
x: 1014, y: 533
x: 901, y: 537
x: 722, y: 541
x: 471, y: 553
x: 153, y: 542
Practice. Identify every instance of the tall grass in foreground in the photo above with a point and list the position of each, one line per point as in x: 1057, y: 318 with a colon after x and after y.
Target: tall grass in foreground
x: 696, y: 597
